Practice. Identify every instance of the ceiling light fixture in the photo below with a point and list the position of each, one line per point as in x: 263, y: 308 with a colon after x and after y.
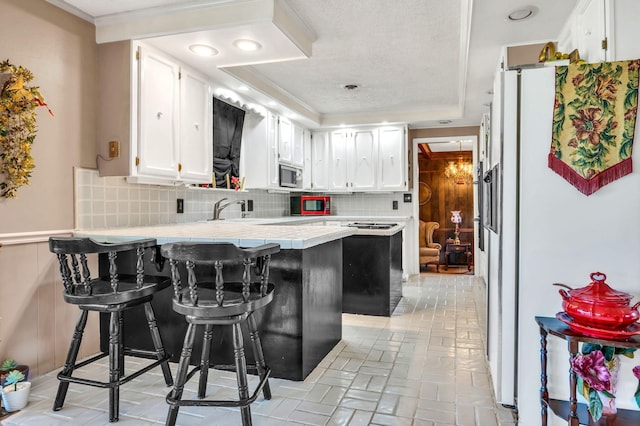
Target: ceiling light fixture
x: 247, y: 45
x: 520, y: 14
x: 350, y: 87
x: 203, y: 50
x: 460, y: 172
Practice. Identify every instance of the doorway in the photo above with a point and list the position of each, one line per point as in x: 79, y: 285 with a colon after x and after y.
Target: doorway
x: 439, y: 193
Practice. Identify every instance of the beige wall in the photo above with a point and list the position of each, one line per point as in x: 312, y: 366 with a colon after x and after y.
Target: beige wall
x: 60, y: 50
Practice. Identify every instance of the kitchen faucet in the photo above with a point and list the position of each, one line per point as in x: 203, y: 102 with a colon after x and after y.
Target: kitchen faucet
x: 218, y: 206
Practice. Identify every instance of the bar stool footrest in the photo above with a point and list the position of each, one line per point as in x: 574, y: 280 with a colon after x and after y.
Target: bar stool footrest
x: 98, y: 384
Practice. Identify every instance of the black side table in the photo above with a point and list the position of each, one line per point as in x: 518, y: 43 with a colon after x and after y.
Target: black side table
x: 465, y: 248
x: 576, y: 414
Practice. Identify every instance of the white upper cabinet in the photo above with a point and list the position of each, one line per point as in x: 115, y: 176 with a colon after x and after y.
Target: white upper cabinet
x: 299, y: 135
x: 361, y: 159
x: 158, y: 122
x: 353, y: 159
x: 307, y: 162
x: 285, y: 140
x: 320, y: 160
x: 143, y: 106
x: 260, y: 148
x: 338, y: 170
x: 195, y: 127
x: 392, y: 158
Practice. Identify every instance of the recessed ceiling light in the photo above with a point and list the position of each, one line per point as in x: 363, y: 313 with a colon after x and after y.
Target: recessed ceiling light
x: 247, y: 45
x: 203, y: 50
x: 520, y: 14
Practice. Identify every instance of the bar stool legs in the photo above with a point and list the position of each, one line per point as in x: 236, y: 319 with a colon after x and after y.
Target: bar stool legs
x: 116, y: 360
x: 258, y: 355
x: 157, y: 343
x: 115, y: 365
x: 174, y: 399
x: 204, y: 360
x: 70, y: 362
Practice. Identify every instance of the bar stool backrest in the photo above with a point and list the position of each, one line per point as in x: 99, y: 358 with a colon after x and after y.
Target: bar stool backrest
x: 199, y: 266
x: 76, y: 275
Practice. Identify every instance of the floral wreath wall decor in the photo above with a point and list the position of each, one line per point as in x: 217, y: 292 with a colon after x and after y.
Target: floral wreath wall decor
x: 18, y: 102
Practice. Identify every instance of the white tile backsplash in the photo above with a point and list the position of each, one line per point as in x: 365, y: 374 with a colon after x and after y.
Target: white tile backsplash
x: 107, y: 202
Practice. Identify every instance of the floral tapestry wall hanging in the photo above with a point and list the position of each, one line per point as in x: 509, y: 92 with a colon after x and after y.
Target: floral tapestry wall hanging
x: 594, y: 120
x: 18, y: 127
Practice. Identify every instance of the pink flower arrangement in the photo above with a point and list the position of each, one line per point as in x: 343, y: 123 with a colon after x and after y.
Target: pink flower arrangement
x: 593, y: 371
x: 597, y: 370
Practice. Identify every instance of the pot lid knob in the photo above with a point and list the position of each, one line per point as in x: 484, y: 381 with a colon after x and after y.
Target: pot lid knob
x: 599, y: 291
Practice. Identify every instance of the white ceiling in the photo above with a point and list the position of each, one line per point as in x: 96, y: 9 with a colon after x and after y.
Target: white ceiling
x: 415, y: 61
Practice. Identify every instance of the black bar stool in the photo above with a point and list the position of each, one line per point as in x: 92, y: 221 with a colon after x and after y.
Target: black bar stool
x: 207, y: 299
x: 113, y: 294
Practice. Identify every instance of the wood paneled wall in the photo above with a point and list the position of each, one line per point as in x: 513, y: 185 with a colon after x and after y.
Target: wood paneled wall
x: 445, y: 197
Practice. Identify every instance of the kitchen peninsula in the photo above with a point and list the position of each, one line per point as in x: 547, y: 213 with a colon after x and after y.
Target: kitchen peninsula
x: 300, y: 326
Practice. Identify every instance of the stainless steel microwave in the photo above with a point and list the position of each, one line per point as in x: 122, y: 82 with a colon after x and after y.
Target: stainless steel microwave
x: 290, y: 177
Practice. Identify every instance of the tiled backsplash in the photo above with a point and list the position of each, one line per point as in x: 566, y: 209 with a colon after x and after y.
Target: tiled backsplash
x: 108, y: 202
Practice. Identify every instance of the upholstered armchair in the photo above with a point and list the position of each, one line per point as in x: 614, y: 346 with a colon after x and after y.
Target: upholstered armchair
x: 429, y: 251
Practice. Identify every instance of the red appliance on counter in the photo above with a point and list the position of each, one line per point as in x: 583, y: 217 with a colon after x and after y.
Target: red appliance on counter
x: 302, y: 205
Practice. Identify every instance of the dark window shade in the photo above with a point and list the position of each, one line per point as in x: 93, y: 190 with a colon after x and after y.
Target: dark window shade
x: 227, y: 137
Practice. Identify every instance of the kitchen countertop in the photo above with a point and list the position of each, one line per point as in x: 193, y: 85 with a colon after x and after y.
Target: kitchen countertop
x: 397, y: 221
x: 289, y: 232
x: 239, y: 233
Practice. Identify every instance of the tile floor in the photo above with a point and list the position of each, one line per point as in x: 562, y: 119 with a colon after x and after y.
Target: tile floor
x: 425, y: 365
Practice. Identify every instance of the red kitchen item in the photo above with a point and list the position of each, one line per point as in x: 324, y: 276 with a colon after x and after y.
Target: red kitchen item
x: 621, y: 334
x: 599, y: 306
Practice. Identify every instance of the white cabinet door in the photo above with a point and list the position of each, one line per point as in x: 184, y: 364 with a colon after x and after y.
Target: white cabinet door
x: 298, y: 145
x: 591, y: 31
x: 158, y: 151
x: 307, y: 162
x: 285, y: 140
x: 196, y: 144
x: 272, y: 154
x: 361, y: 160
x: 392, y: 158
x: 338, y: 177
x: 320, y: 163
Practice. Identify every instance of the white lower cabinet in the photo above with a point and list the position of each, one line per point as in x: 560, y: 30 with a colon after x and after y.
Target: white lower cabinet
x: 161, y: 123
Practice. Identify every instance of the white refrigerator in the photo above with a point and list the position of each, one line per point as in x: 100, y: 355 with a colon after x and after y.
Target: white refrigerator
x: 546, y: 232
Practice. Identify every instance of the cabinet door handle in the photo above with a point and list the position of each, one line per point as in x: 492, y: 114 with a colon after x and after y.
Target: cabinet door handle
x: 159, y: 115
x: 196, y: 125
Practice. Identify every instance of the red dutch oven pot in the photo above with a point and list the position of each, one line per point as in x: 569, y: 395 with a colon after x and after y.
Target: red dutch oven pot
x: 598, y: 305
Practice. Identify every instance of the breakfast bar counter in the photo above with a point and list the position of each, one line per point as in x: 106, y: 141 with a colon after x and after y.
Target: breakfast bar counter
x: 300, y: 326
